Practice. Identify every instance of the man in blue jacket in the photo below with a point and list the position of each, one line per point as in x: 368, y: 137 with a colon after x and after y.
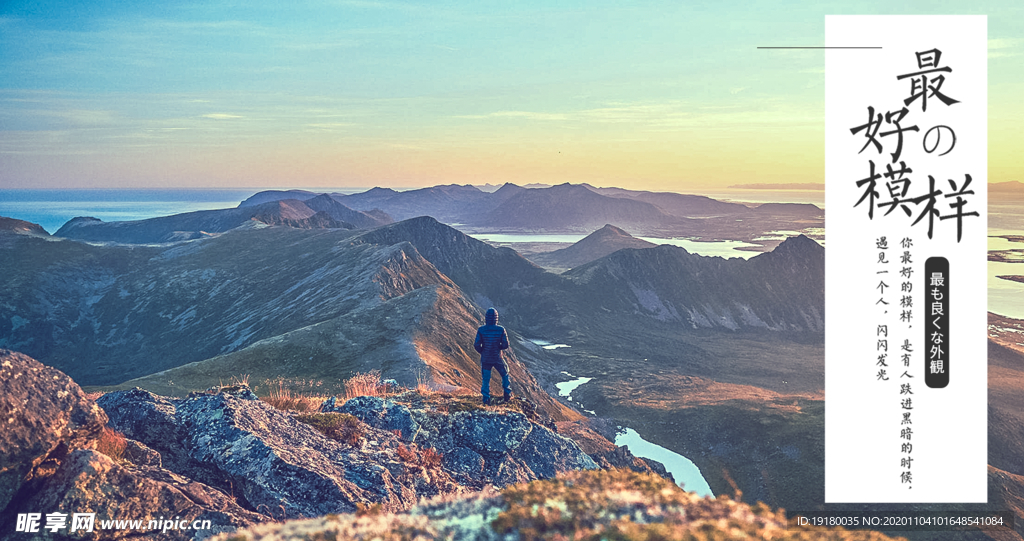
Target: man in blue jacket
x: 490, y: 340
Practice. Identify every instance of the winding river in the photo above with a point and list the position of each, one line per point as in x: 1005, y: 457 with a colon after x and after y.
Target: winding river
x: 685, y: 472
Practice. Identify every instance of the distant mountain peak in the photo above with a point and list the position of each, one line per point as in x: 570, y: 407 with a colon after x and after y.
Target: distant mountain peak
x: 611, y: 229
x: 566, y: 186
x: 83, y: 219
x: 596, y: 245
x: 21, y: 226
x: 800, y: 243
x: 76, y: 223
x: 509, y: 187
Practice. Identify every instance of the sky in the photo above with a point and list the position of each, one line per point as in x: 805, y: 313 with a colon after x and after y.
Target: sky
x: 644, y: 95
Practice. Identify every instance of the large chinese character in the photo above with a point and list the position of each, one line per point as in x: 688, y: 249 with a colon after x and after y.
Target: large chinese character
x: 958, y: 206
x: 920, y: 84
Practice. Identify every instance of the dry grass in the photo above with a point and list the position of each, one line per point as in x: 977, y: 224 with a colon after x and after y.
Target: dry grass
x: 422, y: 384
x: 427, y: 457
x: 431, y: 458
x: 285, y: 399
x: 407, y: 452
x: 289, y: 394
x: 364, y: 384
x: 112, y: 443
x: 627, y: 506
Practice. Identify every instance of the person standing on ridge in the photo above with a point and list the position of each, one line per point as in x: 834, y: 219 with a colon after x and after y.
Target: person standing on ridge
x: 491, y: 339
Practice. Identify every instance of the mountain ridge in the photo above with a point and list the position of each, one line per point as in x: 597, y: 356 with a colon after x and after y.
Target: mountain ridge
x: 316, y: 212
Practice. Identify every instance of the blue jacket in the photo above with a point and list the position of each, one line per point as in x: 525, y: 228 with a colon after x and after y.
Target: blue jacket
x: 491, y: 339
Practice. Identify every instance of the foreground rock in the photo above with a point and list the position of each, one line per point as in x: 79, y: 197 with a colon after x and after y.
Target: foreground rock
x: 43, y: 415
x: 90, y: 482
x: 617, y: 504
x: 221, y: 460
x: 480, y: 446
x: 49, y: 464
x: 379, y: 452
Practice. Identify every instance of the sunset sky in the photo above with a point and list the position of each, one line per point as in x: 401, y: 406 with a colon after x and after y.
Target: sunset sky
x: 654, y: 95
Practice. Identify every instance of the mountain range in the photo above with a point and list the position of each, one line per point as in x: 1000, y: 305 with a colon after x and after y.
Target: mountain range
x: 568, y: 207
x: 123, y: 309
x: 317, y: 212
x: 562, y: 208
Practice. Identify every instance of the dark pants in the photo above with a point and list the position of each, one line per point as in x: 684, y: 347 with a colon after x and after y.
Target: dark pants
x: 505, y: 383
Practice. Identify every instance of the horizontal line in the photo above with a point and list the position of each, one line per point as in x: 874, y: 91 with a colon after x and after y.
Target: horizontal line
x: 819, y: 47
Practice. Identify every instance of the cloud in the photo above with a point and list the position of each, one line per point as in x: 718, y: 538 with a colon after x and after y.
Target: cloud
x: 673, y: 115
x: 1004, y: 47
x: 1004, y: 43
x: 323, y: 45
x: 330, y: 125
x: 529, y: 115
x: 222, y: 116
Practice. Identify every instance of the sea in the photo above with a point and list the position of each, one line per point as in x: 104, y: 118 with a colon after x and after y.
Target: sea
x: 52, y: 208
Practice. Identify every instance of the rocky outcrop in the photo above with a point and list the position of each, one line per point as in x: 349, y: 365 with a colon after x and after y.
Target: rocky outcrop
x: 393, y: 455
x: 146, y: 417
x: 224, y: 459
x: 43, y: 415
x: 49, y: 464
x: 270, y: 460
x: 621, y: 457
x: 480, y: 446
x: 90, y: 482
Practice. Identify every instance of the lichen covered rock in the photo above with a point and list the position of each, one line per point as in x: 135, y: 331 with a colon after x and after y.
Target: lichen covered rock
x: 89, y: 482
x: 480, y: 445
x: 278, y: 465
x: 43, y: 415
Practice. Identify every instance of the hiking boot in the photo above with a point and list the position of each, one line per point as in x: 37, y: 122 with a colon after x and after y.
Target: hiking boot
x: 508, y: 396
